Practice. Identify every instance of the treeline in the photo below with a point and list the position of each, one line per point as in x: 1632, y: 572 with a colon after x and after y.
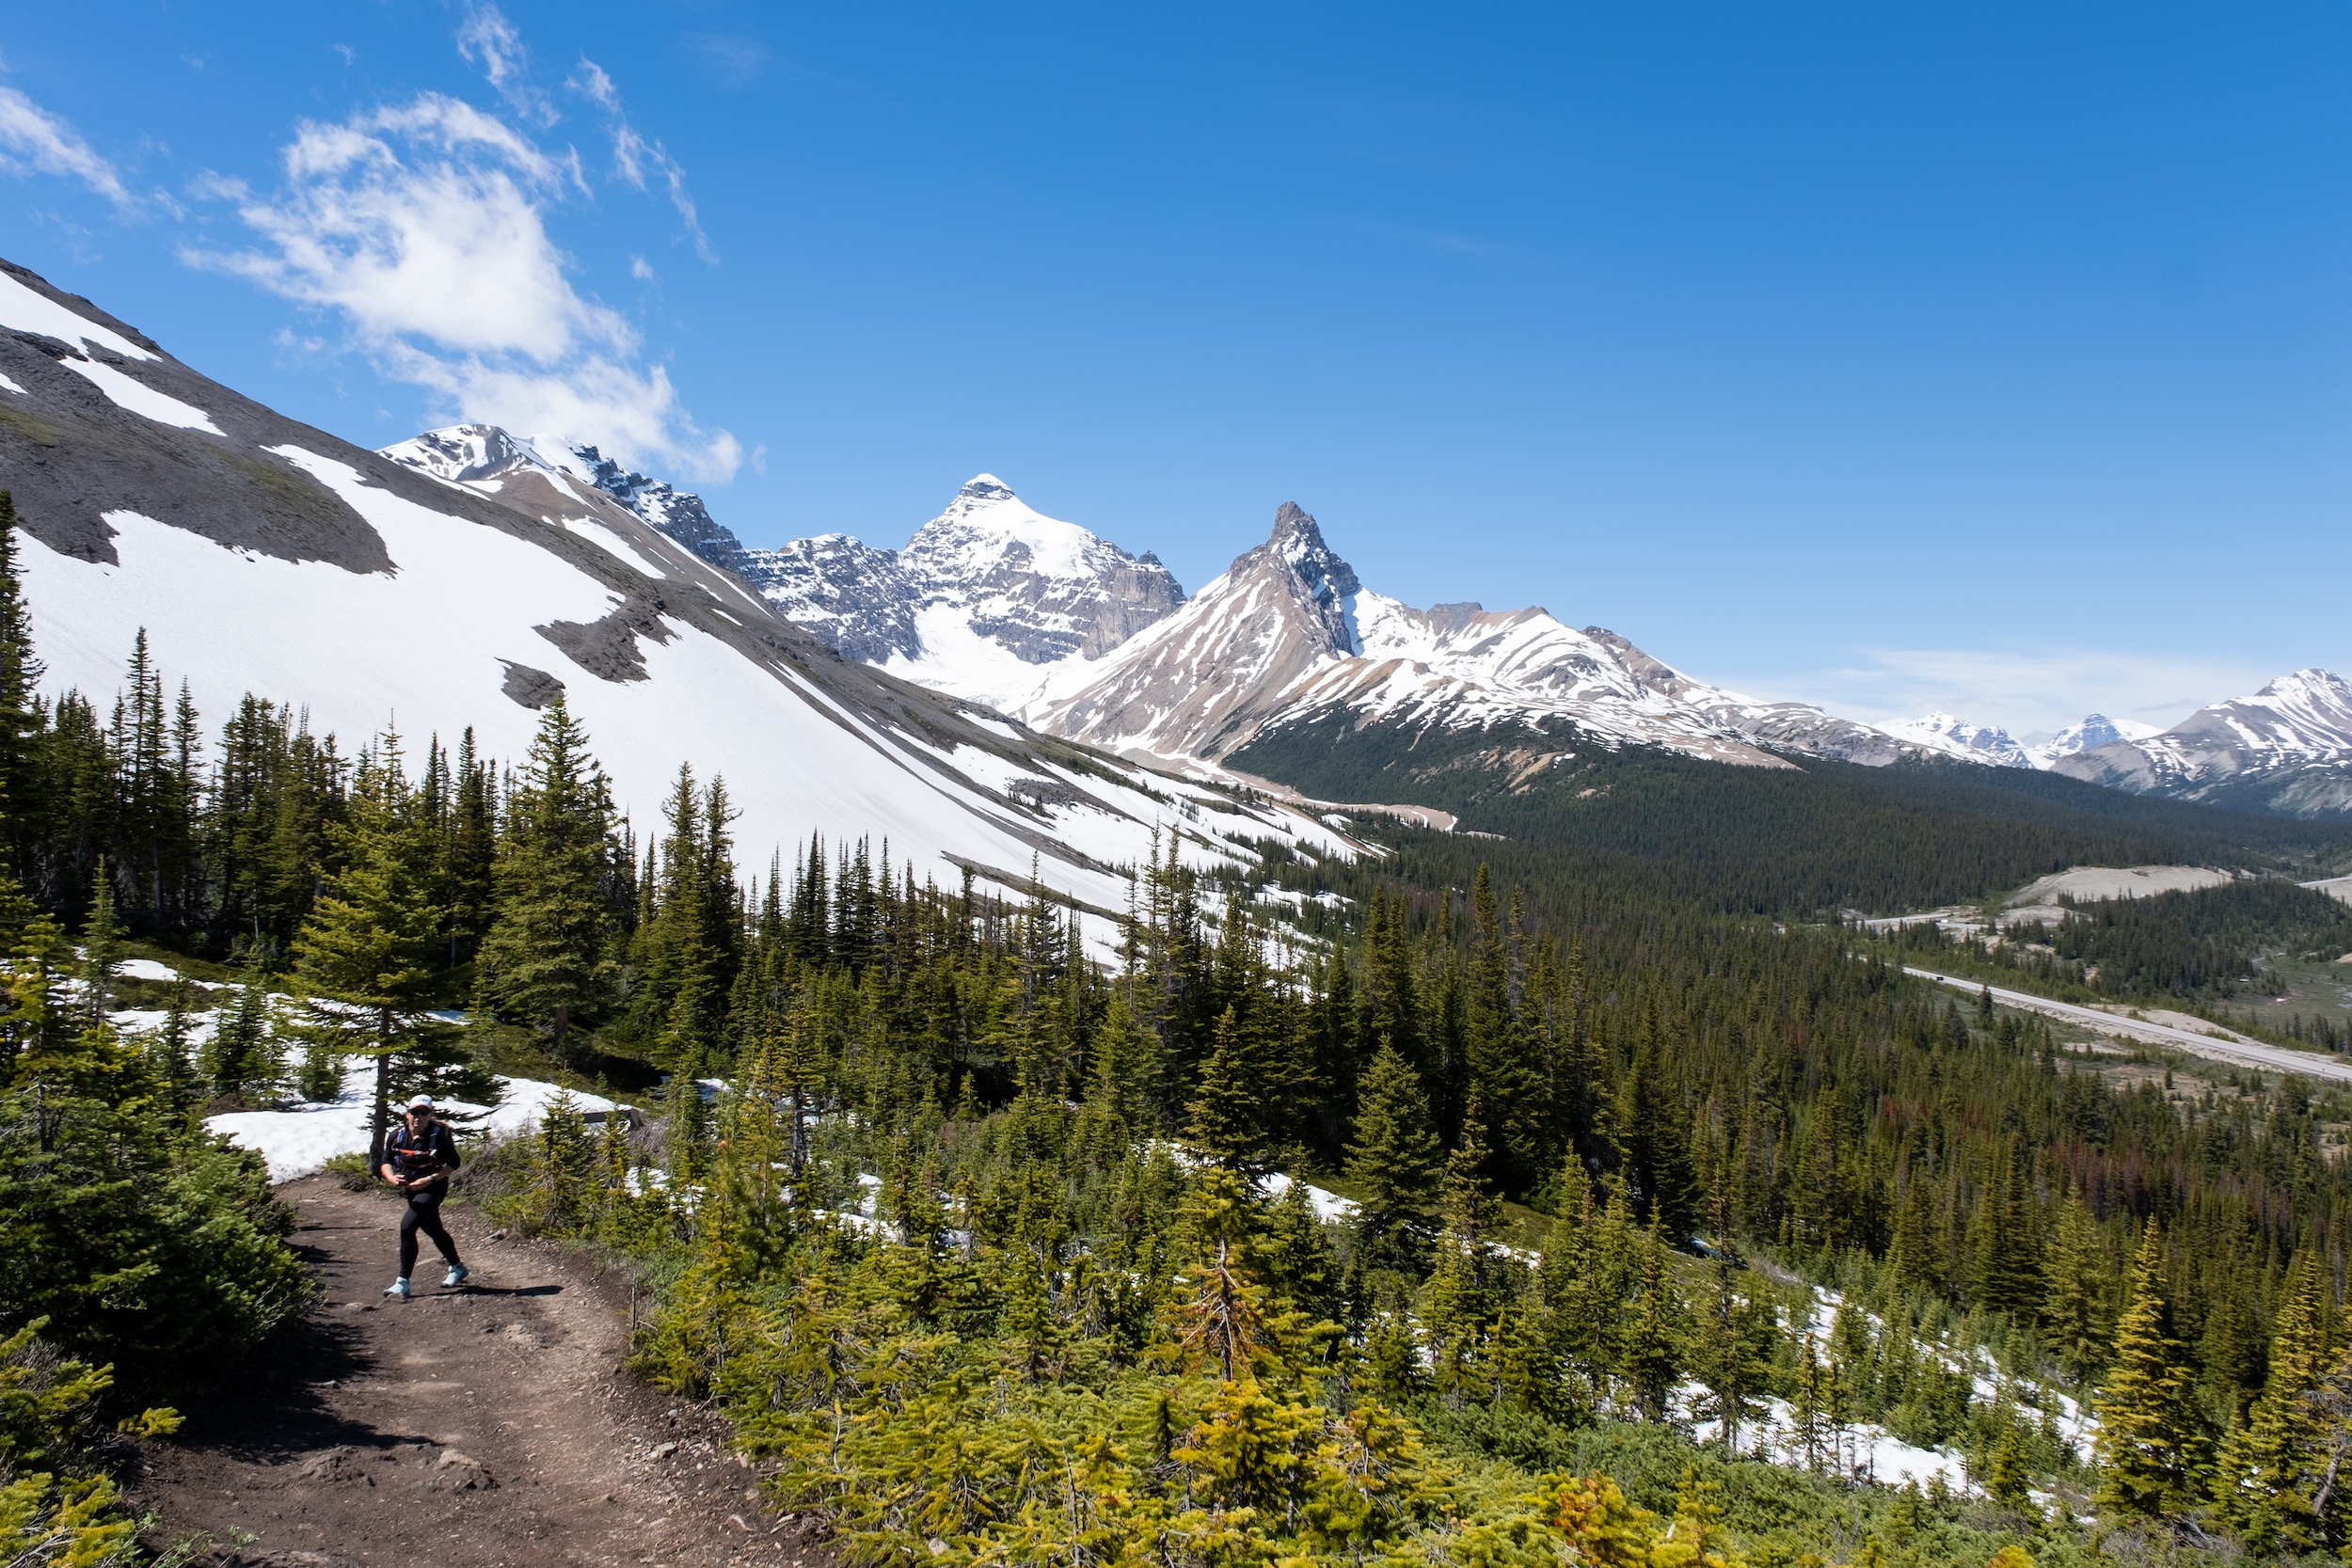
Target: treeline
x: 2198, y: 948
x: 1814, y: 838
x: 2206, y: 941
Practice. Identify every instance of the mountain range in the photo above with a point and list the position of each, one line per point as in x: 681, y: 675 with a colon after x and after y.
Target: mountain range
x: 1046, y: 622
x: 464, y: 584
x: 1008, y: 690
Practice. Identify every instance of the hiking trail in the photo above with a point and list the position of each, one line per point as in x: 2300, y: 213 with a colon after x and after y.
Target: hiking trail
x: 488, y: 1426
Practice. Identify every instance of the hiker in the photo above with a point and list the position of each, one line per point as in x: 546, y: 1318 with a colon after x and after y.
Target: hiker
x: 418, y: 1158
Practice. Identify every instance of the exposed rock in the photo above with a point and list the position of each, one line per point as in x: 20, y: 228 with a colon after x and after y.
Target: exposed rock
x: 533, y: 689
x: 607, y: 648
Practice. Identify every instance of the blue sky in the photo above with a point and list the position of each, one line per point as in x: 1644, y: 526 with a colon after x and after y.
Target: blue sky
x: 1991, y: 357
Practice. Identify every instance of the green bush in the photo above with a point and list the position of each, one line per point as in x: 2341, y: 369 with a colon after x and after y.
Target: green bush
x: 148, y: 1246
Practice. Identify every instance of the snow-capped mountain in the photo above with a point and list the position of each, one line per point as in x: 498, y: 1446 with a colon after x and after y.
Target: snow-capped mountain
x: 1941, y: 732
x: 2287, y: 748
x: 476, y: 453
x: 992, y: 599
x: 1288, y: 631
x: 2096, y: 730
x: 467, y: 583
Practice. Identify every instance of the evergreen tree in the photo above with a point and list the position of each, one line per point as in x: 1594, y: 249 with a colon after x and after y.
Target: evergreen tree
x: 2270, y: 1469
x: 549, y: 954
x: 102, y: 950
x: 1653, y: 1145
x: 241, y: 1057
x: 1228, y: 1111
x: 1394, y: 1161
x: 1652, y: 1341
x: 369, y: 940
x: 2148, y: 1446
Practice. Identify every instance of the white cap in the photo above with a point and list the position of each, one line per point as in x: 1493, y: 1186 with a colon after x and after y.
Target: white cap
x: 420, y: 1102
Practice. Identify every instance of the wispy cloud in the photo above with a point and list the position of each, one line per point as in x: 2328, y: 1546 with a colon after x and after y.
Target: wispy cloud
x: 34, y: 141
x: 728, y: 59
x: 493, y: 45
x: 637, y: 160
x: 2020, y: 688
x: 422, y: 227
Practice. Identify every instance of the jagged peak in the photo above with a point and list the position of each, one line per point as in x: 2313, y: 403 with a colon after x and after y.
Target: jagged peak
x: 1297, y: 542
x: 986, y: 487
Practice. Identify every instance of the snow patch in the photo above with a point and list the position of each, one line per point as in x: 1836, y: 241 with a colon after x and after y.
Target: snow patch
x: 30, y: 310
x: 141, y: 399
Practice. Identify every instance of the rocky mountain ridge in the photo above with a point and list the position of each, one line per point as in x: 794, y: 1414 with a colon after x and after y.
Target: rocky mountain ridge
x: 2286, y: 748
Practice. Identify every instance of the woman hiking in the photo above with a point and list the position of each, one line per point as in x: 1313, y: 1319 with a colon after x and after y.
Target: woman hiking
x: 418, y: 1158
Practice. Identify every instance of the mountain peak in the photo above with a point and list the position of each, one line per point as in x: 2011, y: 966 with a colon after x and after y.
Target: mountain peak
x: 1299, y: 543
x: 985, y: 487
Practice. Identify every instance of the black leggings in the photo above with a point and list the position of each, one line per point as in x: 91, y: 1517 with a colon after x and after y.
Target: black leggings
x: 424, y: 1213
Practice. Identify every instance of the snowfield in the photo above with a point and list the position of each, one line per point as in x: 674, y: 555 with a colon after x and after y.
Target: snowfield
x: 301, y: 1139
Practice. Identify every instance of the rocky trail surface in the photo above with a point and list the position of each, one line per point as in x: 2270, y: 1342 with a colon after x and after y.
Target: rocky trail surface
x: 490, y: 1425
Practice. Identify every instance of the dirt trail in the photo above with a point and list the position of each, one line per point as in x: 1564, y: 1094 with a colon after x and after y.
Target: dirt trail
x: 491, y: 1425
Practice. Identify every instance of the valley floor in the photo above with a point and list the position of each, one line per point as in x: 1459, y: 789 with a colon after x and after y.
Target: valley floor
x: 491, y: 1425
x: 2116, y: 1021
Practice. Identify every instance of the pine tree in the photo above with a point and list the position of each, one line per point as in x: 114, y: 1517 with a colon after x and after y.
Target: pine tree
x: 2075, y: 1312
x: 101, y: 949
x: 1652, y: 1341
x: 1653, y: 1142
x: 1395, y: 1161
x: 240, y: 1059
x: 369, y: 939
x: 1734, y: 1339
x: 2148, y: 1447
x: 550, y: 953
x: 1228, y: 1111
x: 2271, y: 1467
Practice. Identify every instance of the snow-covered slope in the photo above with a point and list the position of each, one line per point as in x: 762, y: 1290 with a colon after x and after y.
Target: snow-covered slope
x: 2287, y: 748
x: 1941, y: 732
x: 467, y: 582
x: 1289, y: 631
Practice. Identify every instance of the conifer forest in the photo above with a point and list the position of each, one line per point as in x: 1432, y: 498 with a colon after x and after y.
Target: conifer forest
x: 1498, y: 1210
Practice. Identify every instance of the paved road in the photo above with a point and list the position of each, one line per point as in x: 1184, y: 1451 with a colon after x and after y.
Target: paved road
x: 2311, y: 1064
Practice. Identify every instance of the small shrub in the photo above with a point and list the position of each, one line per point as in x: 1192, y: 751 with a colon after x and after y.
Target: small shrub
x: 351, y: 1171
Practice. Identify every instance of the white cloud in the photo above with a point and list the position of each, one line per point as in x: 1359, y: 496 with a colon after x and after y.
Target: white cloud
x: 34, y: 141
x: 637, y: 160
x: 493, y: 45
x: 422, y: 226
x: 487, y: 40
x: 2020, y: 688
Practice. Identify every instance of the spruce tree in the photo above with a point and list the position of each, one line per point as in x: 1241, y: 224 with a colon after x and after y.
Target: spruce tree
x: 2270, y: 1469
x: 550, y: 953
x: 1395, y: 1161
x: 1227, y: 1111
x: 1653, y: 1340
x: 101, y: 949
x: 2148, y: 1447
x: 1653, y: 1142
x: 369, y: 940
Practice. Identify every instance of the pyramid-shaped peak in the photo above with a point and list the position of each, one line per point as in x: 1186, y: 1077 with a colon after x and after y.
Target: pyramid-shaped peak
x: 1299, y: 543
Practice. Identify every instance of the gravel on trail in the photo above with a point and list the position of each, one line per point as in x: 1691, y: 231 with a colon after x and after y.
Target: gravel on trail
x: 490, y: 1425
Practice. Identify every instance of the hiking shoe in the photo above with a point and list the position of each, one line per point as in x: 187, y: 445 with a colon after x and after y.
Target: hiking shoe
x: 397, y: 1290
x: 457, y: 1275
